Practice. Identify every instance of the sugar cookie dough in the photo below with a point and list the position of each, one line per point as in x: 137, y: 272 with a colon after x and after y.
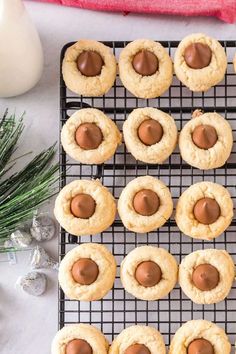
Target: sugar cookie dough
x: 89, y: 68
x: 90, y: 137
x: 145, y: 68
x: 206, y: 276
x: 200, y: 62
x: 138, y: 339
x: 85, y: 207
x: 206, y: 141
x: 200, y: 335
x: 79, y: 338
x: 150, y: 135
x: 87, y: 272
x: 145, y: 204
x: 204, y: 210
x: 149, y: 273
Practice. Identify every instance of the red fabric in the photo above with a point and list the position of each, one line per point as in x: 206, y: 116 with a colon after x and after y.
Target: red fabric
x: 223, y: 9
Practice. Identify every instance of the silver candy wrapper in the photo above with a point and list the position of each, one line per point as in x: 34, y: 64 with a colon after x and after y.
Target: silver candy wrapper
x: 33, y: 283
x: 21, y: 239
x: 43, y: 227
x: 11, y: 255
x: 40, y: 259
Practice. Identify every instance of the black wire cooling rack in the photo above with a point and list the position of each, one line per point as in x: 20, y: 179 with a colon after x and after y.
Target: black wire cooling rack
x: 118, y: 309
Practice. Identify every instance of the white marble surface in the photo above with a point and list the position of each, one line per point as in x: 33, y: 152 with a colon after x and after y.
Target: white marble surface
x: 28, y: 324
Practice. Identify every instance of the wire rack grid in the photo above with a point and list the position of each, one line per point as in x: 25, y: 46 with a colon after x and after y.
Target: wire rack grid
x: 119, y: 309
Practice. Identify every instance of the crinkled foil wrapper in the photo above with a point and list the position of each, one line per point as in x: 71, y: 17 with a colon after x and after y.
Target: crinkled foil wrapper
x: 33, y: 283
x: 40, y: 259
x: 21, y: 239
x: 43, y: 227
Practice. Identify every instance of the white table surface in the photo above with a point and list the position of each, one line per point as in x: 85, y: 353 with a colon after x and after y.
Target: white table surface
x: 28, y: 324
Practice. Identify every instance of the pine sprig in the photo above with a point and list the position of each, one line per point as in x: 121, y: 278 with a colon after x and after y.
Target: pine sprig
x: 10, y: 132
x: 23, y: 192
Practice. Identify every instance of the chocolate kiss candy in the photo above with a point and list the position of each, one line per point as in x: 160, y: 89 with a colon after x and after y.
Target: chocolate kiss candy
x: 146, y: 202
x: 206, y: 211
x: 90, y: 63
x: 145, y: 63
x: 148, y: 273
x: 137, y: 349
x: 78, y: 346
x: 150, y: 132
x: 21, y: 239
x: 198, y: 55
x: 200, y: 346
x: 85, y: 271
x: 205, y: 277
x: 33, y: 283
x: 83, y: 206
x: 204, y: 136
x: 40, y: 259
x: 43, y: 227
x: 88, y: 136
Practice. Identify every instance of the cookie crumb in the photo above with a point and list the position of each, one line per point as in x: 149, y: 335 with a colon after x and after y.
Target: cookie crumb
x: 197, y: 113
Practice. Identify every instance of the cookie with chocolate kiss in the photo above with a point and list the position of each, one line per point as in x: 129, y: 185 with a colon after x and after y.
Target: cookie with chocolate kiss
x: 206, y: 140
x: 138, y: 340
x: 145, y: 68
x: 200, y: 62
x: 149, y: 273
x: 89, y: 68
x: 200, y: 337
x: 141, y: 209
x: 85, y: 207
x: 90, y: 137
x: 204, y: 210
x: 206, y: 276
x: 87, y: 272
x: 79, y: 339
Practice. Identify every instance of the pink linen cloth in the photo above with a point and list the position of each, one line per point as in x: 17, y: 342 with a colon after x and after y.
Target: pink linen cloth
x: 223, y: 9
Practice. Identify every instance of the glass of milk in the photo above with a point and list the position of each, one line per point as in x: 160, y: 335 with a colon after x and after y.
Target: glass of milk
x: 21, y: 55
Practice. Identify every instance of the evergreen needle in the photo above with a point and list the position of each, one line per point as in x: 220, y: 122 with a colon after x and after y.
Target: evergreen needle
x: 24, y: 191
